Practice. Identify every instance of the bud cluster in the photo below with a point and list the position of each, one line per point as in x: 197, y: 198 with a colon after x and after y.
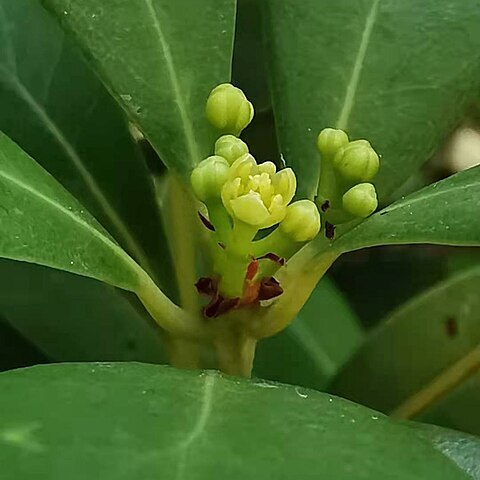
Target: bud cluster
x: 345, y: 191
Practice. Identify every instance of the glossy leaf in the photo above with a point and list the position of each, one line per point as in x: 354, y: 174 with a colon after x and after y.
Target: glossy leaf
x: 16, y: 351
x: 72, y: 318
x: 42, y: 223
x: 58, y: 111
x: 314, y: 347
x: 415, y: 344
x: 400, y: 73
x: 445, y: 213
x: 142, y: 421
x: 160, y: 59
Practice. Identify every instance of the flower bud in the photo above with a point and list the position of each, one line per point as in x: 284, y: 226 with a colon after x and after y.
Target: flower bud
x: 302, y: 221
x: 330, y: 140
x: 228, y: 109
x: 357, y: 161
x: 208, y: 177
x: 230, y: 148
x: 361, y: 200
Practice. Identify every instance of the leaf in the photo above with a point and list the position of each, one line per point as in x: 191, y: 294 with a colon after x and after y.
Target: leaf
x: 458, y: 408
x: 400, y: 74
x: 160, y: 59
x: 444, y: 213
x: 72, y: 318
x: 398, y: 272
x: 249, y: 59
x: 59, y: 112
x: 42, y: 223
x: 15, y: 351
x: 134, y: 421
x: 314, y: 347
x: 463, y: 449
x: 414, y: 346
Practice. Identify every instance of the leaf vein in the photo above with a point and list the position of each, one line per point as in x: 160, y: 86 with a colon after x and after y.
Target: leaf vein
x: 352, y: 86
x: 174, y: 81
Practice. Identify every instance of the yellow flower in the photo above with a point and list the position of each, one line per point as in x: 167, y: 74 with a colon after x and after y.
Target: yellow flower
x: 257, y: 194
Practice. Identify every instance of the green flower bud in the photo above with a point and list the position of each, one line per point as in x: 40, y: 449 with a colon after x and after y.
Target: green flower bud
x: 357, y: 161
x: 208, y: 177
x: 228, y: 109
x: 301, y: 222
x: 230, y: 148
x: 361, y: 200
x: 330, y: 140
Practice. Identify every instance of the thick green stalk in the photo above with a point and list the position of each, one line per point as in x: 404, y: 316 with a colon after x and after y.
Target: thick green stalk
x: 235, y: 352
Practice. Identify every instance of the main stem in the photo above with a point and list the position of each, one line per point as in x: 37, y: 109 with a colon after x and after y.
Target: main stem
x: 235, y: 352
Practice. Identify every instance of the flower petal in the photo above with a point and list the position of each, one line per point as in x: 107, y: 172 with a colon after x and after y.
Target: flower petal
x: 285, y: 184
x: 250, y: 209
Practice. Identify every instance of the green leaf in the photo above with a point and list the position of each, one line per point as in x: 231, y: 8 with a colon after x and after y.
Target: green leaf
x: 16, y: 351
x: 400, y: 73
x: 160, y: 59
x: 458, y: 409
x: 463, y: 449
x: 314, y: 347
x: 60, y: 113
x: 142, y: 421
x: 42, y: 223
x: 414, y: 347
x: 249, y: 59
x: 72, y: 318
x: 444, y: 213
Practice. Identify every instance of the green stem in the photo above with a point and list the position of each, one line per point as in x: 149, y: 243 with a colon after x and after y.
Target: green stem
x: 181, y: 227
x: 184, y: 353
x: 235, y: 352
x: 169, y: 316
x: 236, y: 259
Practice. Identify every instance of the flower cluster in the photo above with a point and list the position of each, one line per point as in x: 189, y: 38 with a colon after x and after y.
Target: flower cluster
x: 244, y: 197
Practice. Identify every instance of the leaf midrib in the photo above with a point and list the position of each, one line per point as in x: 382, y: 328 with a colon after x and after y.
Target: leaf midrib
x: 188, y: 132
x: 352, y: 86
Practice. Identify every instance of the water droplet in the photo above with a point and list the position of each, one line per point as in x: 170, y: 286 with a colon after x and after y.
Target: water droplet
x: 94, y: 15
x: 353, y: 420
x: 374, y: 417
x: 65, y: 12
x: 265, y: 385
x: 309, y: 129
x: 330, y: 399
x: 71, y: 263
x: 300, y: 393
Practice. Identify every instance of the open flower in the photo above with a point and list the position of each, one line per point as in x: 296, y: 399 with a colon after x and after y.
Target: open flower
x: 257, y: 194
